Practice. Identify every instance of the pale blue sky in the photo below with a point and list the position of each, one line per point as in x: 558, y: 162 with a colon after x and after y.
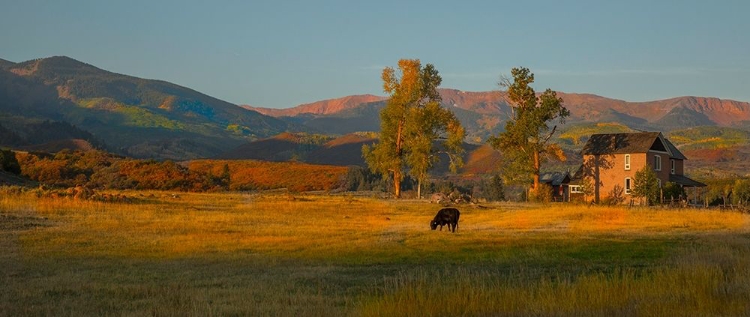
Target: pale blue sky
x: 284, y: 53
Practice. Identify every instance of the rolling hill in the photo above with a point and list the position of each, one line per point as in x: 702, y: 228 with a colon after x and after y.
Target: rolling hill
x: 59, y: 145
x: 133, y: 116
x: 346, y: 150
x: 310, y: 148
x: 279, y: 148
x: 709, y: 138
x: 6, y: 64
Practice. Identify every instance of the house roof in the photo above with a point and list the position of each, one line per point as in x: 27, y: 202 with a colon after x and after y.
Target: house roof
x: 675, y: 152
x: 685, y: 181
x: 554, y: 178
x: 578, y: 174
x: 624, y: 143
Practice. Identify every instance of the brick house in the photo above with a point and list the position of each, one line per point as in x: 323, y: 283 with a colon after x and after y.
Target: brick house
x: 614, y: 158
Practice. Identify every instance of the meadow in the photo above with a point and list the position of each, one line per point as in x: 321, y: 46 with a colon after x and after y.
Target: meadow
x: 218, y: 254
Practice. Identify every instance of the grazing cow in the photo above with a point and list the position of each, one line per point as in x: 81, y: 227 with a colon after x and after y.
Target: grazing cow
x: 446, y: 216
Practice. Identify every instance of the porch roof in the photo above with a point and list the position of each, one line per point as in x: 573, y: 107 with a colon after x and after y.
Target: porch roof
x: 685, y: 181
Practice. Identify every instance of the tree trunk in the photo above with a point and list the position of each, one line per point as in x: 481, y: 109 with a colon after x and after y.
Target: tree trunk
x: 419, y: 189
x: 397, y: 183
x: 596, y: 179
x: 535, y: 176
x: 397, y: 169
x: 661, y: 195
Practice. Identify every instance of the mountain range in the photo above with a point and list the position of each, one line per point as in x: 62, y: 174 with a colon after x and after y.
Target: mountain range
x: 484, y: 113
x: 59, y: 102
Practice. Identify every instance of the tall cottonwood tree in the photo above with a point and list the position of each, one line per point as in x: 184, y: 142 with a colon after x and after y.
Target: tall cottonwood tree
x: 525, y: 143
x: 410, y: 124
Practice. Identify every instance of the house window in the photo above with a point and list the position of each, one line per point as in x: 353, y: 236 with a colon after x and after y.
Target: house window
x: 657, y: 163
x: 672, y: 161
x: 627, y: 162
x: 627, y: 185
x: 576, y: 189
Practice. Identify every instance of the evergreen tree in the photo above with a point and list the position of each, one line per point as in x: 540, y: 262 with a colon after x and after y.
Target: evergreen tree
x: 525, y: 143
x: 493, y: 189
x: 225, y: 176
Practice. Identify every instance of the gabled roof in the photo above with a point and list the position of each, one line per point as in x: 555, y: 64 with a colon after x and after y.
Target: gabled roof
x: 620, y: 143
x: 624, y: 143
x: 675, y: 152
x: 578, y: 174
x: 554, y: 178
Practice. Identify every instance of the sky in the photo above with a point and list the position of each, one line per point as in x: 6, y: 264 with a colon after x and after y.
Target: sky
x: 280, y: 54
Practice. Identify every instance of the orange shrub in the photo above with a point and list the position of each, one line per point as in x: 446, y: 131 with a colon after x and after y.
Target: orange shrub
x: 253, y: 175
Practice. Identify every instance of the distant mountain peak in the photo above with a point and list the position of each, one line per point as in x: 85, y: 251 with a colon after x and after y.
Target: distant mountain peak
x: 4, y: 64
x: 55, y: 64
x: 323, y: 107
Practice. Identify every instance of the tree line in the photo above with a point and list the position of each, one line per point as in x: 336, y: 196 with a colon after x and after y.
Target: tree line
x: 413, y: 120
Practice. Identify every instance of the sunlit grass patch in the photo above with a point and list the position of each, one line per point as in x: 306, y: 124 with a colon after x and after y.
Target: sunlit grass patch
x: 258, y: 254
x: 687, y: 287
x: 340, y: 228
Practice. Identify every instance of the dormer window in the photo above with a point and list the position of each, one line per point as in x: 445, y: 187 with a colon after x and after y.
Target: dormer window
x: 627, y: 162
x: 657, y: 163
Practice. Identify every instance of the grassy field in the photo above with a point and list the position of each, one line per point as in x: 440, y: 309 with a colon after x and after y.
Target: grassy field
x: 283, y: 255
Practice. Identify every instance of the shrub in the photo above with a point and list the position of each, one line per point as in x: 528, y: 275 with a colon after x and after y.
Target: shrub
x: 741, y: 192
x: 9, y: 162
x: 673, y: 191
x: 542, y: 195
x: 646, y: 185
x: 616, y: 195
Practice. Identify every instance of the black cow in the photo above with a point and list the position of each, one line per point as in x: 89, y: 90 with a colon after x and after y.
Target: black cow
x: 446, y: 216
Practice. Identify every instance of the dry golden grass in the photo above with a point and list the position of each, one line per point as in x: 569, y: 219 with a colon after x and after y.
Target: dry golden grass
x: 252, y: 254
x: 687, y: 290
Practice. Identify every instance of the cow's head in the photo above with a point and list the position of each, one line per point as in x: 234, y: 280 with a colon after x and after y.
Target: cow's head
x: 433, y: 225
